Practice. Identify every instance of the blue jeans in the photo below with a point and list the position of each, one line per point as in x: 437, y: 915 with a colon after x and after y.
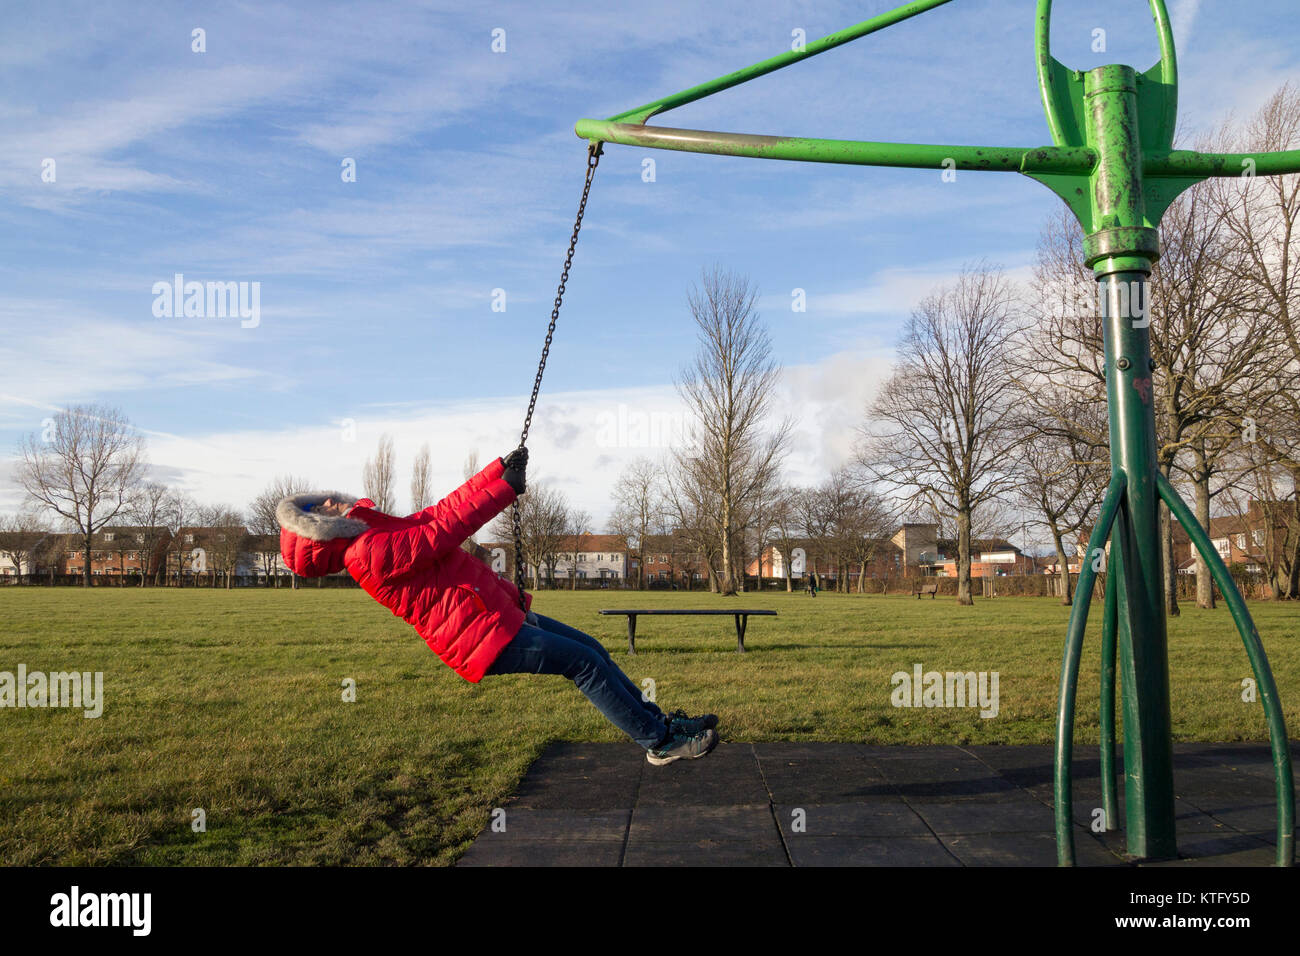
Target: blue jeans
x: 545, y: 646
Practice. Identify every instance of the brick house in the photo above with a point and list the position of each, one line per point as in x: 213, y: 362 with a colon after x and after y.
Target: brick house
x: 117, y: 552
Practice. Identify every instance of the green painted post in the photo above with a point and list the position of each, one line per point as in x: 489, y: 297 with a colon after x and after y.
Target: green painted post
x: 1121, y: 252
x: 1106, y: 726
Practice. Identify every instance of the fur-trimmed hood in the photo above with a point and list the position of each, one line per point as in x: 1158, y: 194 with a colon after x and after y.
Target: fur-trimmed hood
x: 291, y: 514
x: 313, y: 544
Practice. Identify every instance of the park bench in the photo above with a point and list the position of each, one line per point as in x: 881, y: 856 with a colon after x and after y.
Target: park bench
x: 741, y: 616
x: 930, y: 589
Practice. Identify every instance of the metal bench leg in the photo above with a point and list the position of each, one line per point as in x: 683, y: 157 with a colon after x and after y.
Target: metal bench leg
x: 742, y: 621
x: 631, y: 634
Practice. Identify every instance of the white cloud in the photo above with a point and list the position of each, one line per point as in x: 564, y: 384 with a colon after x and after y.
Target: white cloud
x: 580, y: 441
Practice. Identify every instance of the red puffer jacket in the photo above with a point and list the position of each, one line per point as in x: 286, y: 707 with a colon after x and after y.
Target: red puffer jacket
x: 415, y: 567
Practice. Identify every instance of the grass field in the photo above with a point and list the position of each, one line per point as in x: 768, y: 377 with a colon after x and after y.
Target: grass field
x: 232, y: 702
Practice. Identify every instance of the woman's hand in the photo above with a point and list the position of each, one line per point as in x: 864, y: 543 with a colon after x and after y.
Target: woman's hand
x: 515, y: 464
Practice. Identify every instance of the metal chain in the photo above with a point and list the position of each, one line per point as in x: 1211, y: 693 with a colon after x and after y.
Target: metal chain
x: 593, y: 159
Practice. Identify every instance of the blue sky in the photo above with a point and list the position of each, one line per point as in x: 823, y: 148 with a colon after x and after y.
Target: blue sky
x: 376, y: 296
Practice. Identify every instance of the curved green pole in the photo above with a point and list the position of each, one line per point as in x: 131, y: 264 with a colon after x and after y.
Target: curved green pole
x: 1055, y: 80
x: 642, y: 113
x: 1258, y: 664
x: 1108, y: 638
x: 1064, y: 798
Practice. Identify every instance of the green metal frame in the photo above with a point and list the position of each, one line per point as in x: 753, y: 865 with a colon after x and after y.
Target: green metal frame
x: 1113, y: 163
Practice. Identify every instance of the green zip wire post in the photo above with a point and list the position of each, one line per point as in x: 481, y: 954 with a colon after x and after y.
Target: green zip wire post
x: 1113, y: 163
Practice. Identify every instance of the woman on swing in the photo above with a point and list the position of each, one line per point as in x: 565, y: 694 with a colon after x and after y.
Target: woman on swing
x: 469, y: 616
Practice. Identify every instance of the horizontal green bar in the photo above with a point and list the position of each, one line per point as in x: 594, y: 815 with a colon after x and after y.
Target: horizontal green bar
x: 1182, y: 162
x: 828, y: 42
x: 1011, y: 159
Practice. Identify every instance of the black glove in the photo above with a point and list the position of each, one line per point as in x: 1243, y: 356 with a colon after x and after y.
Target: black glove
x: 516, y: 463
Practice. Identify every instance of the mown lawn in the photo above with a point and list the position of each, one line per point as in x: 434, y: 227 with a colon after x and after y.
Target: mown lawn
x: 232, y: 702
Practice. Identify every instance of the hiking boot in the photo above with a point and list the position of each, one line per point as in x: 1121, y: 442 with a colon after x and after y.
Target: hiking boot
x: 680, y: 723
x: 678, y: 746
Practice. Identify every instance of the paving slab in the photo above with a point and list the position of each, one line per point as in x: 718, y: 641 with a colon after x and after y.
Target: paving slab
x: 729, y: 776
x: 873, y: 819
x: 870, y: 851
x: 704, y: 853
x: 727, y: 824
x: 1024, y: 849
x: 1020, y: 816
x: 849, y: 804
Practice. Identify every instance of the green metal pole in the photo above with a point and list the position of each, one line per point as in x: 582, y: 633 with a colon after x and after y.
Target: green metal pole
x: 642, y: 113
x: 1069, y: 685
x: 1283, y: 781
x: 1121, y: 253
x: 1109, y: 803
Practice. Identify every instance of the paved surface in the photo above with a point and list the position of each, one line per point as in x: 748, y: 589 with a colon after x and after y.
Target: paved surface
x: 797, y: 804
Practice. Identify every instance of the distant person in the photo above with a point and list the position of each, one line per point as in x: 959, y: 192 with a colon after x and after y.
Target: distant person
x: 468, y: 615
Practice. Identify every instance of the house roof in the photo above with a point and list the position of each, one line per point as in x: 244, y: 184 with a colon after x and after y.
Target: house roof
x: 593, y: 543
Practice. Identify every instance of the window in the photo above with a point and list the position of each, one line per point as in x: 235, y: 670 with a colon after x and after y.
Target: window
x: 139, y: 539
x: 189, y: 539
x: 1257, y: 536
x: 1241, y: 542
x: 1221, y: 545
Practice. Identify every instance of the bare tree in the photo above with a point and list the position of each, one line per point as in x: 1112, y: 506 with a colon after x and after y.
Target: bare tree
x: 578, y: 526
x: 148, y: 511
x: 1267, y: 497
x: 940, y: 430
x: 692, y: 508
x: 870, y: 522
x: 184, y: 551
x: 638, y: 502
x: 729, y: 390
x: 784, y: 528
x: 224, y: 540
x: 84, y: 468
x: 263, y: 523
x: 379, y: 476
x: 1204, y: 345
x: 1263, y: 216
x: 1062, y: 475
x: 21, y: 538
x: 421, y: 477
x: 543, y: 522
x: 471, y: 466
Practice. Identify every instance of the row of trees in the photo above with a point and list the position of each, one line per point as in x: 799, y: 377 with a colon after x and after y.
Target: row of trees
x: 85, y: 473
x: 999, y: 393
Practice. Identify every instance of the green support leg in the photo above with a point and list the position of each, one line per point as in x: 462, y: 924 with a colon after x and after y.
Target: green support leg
x: 1285, y: 784
x: 1062, y: 784
x: 1109, y: 803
